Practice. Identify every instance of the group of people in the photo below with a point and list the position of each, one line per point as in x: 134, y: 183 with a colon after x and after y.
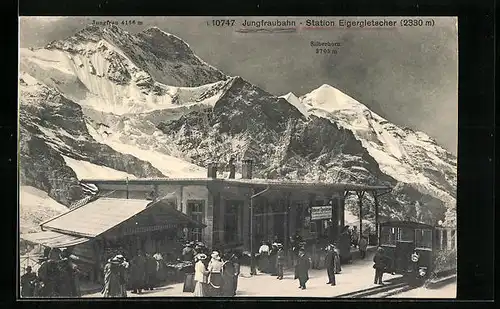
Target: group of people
x: 216, y: 276
x: 143, y: 272
x: 273, y: 259
x: 57, y: 276
x: 217, y: 279
x: 358, y: 241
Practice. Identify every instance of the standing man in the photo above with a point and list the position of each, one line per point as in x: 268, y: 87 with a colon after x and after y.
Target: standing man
x: 302, y: 269
x: 380, y: 265
x: 138, y: 273
x: 363, y: 244
x: 330, y: 265
x: 28, y: 281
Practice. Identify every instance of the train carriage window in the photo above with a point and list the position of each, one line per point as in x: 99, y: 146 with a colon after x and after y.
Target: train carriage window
x: 453, y: 235
x: 388, y: 236
x: 404, y: 234
x: 437, y: 238
x: 444, y: 240
x: 423, y: 238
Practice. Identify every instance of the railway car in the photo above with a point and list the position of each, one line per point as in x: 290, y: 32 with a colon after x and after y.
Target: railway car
x: 416, y: 250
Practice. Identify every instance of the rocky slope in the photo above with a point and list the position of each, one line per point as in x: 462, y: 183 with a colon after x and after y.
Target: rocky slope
x: 107, y: 103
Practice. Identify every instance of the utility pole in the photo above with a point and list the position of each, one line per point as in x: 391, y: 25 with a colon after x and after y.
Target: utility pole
x: 252, y: 253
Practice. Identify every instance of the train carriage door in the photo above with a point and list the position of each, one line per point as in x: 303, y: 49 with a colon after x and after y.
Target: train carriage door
x: 404, y: 248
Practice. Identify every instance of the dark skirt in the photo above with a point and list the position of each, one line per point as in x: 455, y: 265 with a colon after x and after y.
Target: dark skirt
x: 189, y: 283
x: 216, y: 284
x: 264, y: 263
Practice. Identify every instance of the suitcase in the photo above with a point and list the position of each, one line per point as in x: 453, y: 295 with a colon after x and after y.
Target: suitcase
x: 188, y: 283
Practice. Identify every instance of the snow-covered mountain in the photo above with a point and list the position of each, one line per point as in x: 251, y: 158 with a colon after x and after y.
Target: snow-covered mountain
x: 105, y: 103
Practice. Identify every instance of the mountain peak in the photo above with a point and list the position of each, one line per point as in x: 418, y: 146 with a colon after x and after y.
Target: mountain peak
x: 330, y: 99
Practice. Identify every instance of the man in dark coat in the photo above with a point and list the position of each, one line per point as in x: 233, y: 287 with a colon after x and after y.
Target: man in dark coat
x: 228, y: 276
x: 330, y: 265
x: 67, y: 276
x: 237, y: 270
x: 380, y: 264
x: 48, y: 274
x: 302, y: 269
x: 137, y: 272
x: 28, y: 281
x: 151, y: 272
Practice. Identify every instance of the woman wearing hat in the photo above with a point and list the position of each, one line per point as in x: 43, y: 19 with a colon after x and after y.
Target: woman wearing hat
x: 114, y: 277
x: 280, y: 261
x: 200, y: 275
x: 215, y: 275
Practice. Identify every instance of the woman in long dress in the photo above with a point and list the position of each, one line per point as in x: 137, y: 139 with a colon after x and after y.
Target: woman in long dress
x: 200, y: 276
x: 228, y: 272
x: 264, y: 257
x: 114, y: 277
x: 215, y: 279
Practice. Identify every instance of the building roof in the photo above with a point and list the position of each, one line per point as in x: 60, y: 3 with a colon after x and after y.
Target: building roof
x: 54, y: 239
x: 103, y: 214
x: 273, y: 184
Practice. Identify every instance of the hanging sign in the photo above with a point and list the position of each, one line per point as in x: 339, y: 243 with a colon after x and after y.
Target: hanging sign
x: 321, y: 212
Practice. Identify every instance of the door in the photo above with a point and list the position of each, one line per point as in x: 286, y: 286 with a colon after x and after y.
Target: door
x: 404, y: 248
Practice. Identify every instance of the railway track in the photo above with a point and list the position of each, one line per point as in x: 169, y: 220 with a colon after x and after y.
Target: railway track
x: 399, y: 285
x: 441, y: 280
x: 391, y: 287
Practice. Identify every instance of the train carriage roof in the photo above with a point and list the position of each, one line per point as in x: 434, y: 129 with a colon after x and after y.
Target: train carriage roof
x: 407, y: 224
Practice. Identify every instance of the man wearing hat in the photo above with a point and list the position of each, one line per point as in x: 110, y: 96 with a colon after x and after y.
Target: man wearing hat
x: 330, y: 265
x: 302, y: 269
x: 48, y: 274
x: 188, y: 252
x: 28, y: 281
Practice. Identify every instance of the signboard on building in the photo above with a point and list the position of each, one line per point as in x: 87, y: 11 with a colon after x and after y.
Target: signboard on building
x: 321, y: 212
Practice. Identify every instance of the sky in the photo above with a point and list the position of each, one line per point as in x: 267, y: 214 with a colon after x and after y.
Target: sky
x: 408, y: 75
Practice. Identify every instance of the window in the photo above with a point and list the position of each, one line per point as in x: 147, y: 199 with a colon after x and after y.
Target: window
x: 423, y: 239
x: 453, y: 235
x: 196, y: 210
x: 444, y: 240
x: 437, y: 238
x: 388, y: 236
x: 404, y: 235
x: 232, y: 220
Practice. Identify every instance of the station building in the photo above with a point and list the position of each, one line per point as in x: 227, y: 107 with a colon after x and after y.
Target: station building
x: 239, y: 213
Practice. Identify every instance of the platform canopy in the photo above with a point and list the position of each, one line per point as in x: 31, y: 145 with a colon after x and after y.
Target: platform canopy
x: 54, y: 239
x: 104, y: 214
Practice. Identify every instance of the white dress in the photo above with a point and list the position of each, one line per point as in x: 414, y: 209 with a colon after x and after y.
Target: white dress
x: 199, y: 279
